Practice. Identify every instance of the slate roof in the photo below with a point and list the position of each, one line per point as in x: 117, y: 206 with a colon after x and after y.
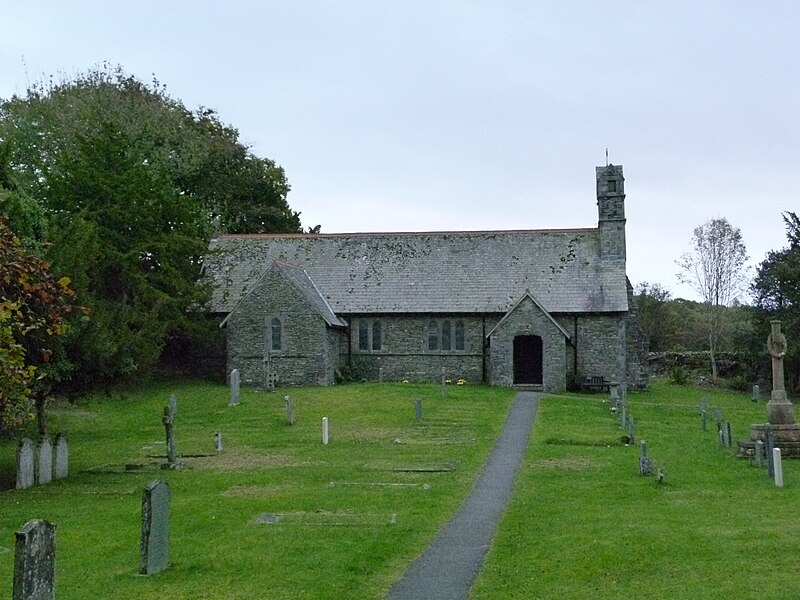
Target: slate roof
x: 300, y: 279
x: 430, y: 272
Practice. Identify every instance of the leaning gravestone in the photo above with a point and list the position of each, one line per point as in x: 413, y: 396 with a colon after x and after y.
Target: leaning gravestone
x: 25, y: 464
x: 61, y: 456
x: 154, y: 546
x: 645, y: 464
x: 44, y: 472
x: 34, y: 561
x: 289, y: 406
x: 235, y: 388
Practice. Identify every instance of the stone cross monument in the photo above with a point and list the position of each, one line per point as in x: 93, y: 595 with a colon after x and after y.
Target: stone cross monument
x: 779, y: 410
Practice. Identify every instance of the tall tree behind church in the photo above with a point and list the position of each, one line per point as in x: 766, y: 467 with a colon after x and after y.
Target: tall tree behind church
x: 132, y: 185
x: 715, y: 268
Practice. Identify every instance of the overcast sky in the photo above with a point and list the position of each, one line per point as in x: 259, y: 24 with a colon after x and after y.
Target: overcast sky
x: 458, y: 115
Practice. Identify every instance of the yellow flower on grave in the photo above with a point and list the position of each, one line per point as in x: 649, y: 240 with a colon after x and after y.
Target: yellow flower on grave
x: 461, y: 382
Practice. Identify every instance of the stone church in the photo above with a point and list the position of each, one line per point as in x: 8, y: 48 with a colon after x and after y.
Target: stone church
x: 543, y: 309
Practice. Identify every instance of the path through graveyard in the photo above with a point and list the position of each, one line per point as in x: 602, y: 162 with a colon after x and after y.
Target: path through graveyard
x: 447, y: 569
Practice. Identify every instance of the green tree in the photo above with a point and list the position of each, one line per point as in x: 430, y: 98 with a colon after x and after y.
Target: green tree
x: 656, y: 316
x: 33, y: 309
x: 120, y: 187
x: 776, y: 290
x: 715, y: 268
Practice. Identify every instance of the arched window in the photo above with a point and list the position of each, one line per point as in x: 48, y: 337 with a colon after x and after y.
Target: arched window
x: 276, y: 334
x: 446, y: 332
x: 433, y: 335
x: 377, y: 335
x: 363, y: 336
x: 459, y: 335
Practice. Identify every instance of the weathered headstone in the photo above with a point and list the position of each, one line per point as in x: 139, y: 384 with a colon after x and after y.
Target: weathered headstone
x: 325, y: 430
x: 25, y: 464
x: 154, y: 545
x: 778, y: 468
x: 716, y: 414
x: 614, y: 392
x: 645, y: 464
x: 235, y: 388
x: 218, y: 441
x: 756, y: 393
x: 703, y: 404
x: 631, y: 430
x: 61, y: 456
x: 769, y: 446
x: 289, y: 406
x: 623, y: 417
x: 173, y: 405
x: 725, y: 434
x: 758, y: 453
x: 34, y: 561
x: 443, y: 383
x: 44, y: 470
x: 172, y: 456
x: 418, y: 409
x: 703, y: 420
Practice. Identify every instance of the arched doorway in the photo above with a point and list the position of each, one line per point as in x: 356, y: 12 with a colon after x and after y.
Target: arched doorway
x: 527, y: 359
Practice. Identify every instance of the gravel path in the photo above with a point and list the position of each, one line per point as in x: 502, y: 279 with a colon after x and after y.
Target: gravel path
x: 447, y: 569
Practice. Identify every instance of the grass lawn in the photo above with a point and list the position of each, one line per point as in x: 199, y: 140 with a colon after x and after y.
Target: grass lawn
x: 349, y: 523
x: 584, y: 524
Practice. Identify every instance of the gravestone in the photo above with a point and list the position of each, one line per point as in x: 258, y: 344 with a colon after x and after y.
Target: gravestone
x: 34, y: 561
x: 218, y: 441
x: 645, y: 464
x: 154, y: 545
x: 769, y: 446
x: 756, y: 393
x: 173, y: 405
x: 623, y: 417
x: 25, y: 464
x: 418, y: 409
x: 172, y: 457
x: 325, y: 430
x: 631, y: 429
x: 235, y: 388
x: 758, y: 453
x: 61, y: 456
x: 443, y: 383
x: 716, y: 414
x: 725, y: 434
x: 778, y: 468
x: 289, y: 406
x: 614, y: 392
x: 703, y: 404
x: 44, y: 470
x: 703, y: 420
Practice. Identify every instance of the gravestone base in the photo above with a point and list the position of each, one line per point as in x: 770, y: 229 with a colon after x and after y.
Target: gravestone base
x: 785, y: 437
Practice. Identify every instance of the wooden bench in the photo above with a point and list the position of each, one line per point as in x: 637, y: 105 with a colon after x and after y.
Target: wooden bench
x: 595, y: 383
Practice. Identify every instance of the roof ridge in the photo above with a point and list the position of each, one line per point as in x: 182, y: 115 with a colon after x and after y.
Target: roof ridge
x: 256, y: 236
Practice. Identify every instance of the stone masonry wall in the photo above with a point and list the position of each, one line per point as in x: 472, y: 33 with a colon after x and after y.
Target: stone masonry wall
x: 309, y: 348
x: 528, y: 319
x: 404, y: 354
x: 600, y: 345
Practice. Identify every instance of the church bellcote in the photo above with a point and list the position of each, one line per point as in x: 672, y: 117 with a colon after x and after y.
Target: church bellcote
x: 611, y: 211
